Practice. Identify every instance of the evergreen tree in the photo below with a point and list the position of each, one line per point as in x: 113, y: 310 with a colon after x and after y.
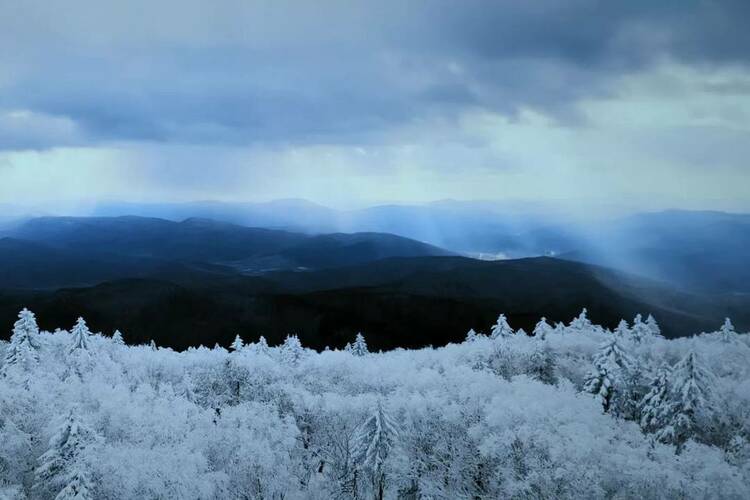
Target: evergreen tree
x: 359, y: 348
x: 622, y: 330
x: 640, y: 332
x: 292, y: 350
x: 691, y: 413
x: 117, y: 338
x: 237, y: 344
x: 62, y: 469
x: 81, y: 336
x: 653, y: 326
x: 608, y: 380
x: 471, y: 336
x: 727, y: 332
x: 542, y: 364
x: 656, y: 404
x: 374, y: 441
x: 542, y: 329
x: 581, y: 323
x: 261, y: 347
x: 152, y: 345
x: 501, y: 328
x: 22, y: 350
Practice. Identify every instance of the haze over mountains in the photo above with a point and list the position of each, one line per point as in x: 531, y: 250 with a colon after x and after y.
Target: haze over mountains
x: 158, y: 278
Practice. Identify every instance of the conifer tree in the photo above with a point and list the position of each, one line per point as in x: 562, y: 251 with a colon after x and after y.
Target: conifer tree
x: 471, y: 336
x: 640, y: 332
x: 62, y: 469
x: 292, y: 350
x: 374, y: 441
x: 261, y: 347
x: 656, y: 405
x: 542, y: 362
x: 608, y: 379
x: 581, y: 323
x: 81, y: 336
x: 727, y: 332
x: 501, y: 328
x: 622, y: 330
x: 653, y: 326
x: 691, y: 412
x: 542, y: 329
x: 117, y: 338
x: 22, y: 350
x: 237, y: 344
x: 359, y: 348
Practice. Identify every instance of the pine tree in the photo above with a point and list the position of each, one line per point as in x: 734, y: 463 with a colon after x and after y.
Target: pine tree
x: 359, y: 348
x: 374, y: 441
x: 622, y: 330
x: 727, y: 332
x: 117, y: 338
x: 691, y: 412
x: 501, y: 329
x: 292, y: 350
x: 640, y: 332
x: 653, y: 326
x: 471, y: 336
x: 581, y: 323
x: 238, y: 344
x: 655, y: 407
x: 609, y: 378
x: 542, y: 365
x: 81, y: 336
x: 152, y: 345
x: 261, y: 347
x: 542, y: 329
x: 62, y: 468
x: 21, y: 353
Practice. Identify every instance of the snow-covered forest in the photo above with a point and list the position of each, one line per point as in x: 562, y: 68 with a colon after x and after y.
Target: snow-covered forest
x: 572, y: 411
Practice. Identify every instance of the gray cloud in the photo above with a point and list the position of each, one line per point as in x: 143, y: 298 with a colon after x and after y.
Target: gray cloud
x: 248, y: 72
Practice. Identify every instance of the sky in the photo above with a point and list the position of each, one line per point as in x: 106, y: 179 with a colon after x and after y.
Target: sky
x: 638, y: 103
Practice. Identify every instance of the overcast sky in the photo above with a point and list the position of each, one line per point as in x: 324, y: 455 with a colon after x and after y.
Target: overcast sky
x: 638, y: 103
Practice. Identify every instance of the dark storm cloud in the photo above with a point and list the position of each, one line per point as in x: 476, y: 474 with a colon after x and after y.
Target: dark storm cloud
x: 244, y: 72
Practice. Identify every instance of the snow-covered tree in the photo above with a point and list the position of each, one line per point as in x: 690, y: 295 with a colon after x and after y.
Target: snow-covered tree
x: 359, y: 347
x: 374, y: 441
x: 117, y: 338
x: 656, y: 404
x: 727, y: 332
x: 21, y: 354
x: 471, y: 336
x: 542, y: 328
x: 63, y: 468
x: 292, y: 350
x: 653, y: 326
x: 237, y: 344
x: 640, y: 332
x: 691, y: 409
x: 501, y: 328
x: 582, y: 322
x: 81, y: 336
x: 608, y: 379
x: 261, y: 346
x: 623, y: 330
x: 542, y: 364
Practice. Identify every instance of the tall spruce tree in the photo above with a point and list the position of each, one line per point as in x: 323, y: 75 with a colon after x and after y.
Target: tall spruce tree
x: 610, y: 377
x: 359, y: 347
x: 21, y: 354
x: 81, y: 336
x: 374, y: 441
x: 691, y: 409
x: 656, y: 404
x: 501, y: 328
x: 62, y: 469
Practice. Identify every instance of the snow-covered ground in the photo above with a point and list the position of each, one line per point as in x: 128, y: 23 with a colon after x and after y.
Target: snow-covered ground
x: 573, y: 412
